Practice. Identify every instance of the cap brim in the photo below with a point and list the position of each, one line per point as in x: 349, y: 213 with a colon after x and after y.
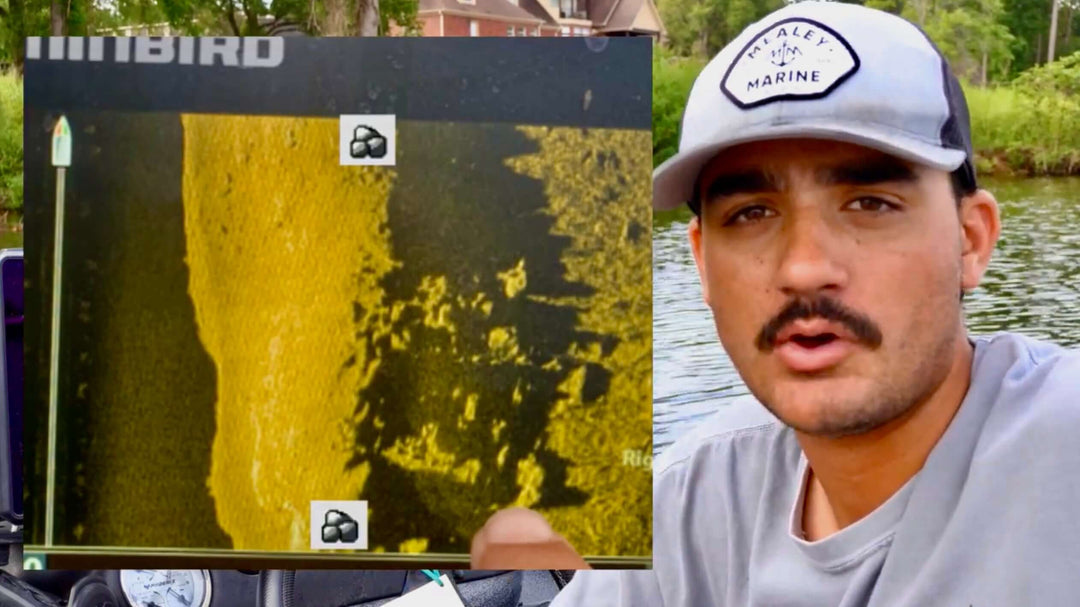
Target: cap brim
x: 675, y: 178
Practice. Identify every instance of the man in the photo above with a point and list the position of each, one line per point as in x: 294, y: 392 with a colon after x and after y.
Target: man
x: 886, y: 458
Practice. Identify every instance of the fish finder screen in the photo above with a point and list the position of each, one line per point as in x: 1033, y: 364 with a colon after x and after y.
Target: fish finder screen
x: 337, y: 299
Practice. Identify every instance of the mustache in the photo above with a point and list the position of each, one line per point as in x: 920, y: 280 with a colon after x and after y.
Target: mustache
x: 860, y: 325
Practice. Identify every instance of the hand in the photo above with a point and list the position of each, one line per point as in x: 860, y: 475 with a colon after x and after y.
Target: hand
x: 517, y: 538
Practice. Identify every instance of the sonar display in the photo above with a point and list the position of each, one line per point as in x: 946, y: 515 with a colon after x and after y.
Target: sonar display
x: 411, y: 274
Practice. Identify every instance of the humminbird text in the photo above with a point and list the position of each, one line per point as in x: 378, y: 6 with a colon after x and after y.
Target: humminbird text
x: 230, y: 52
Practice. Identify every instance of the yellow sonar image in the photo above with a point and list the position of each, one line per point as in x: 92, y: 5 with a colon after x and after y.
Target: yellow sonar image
x: 275, y: 269
x: 465, y: 331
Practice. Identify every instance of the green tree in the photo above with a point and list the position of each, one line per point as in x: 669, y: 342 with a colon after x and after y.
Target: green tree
x: 1061, y: 76
x: 1028, y: 20
x: 684, y: 20
x: 22, y: 18
x: 890, y: 6
x: 987, y: 40
x: 672, y: 79
x: 19, y: 19
x: 356, y: 17
x: 703, y: 27
x: 977, y: 44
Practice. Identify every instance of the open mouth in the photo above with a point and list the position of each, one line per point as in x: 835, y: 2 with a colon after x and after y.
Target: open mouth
x: 814, y: 341
x: 811, y: 346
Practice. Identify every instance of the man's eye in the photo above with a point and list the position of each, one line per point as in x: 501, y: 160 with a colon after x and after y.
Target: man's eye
x: 870, y: 204
x: 750, y: 214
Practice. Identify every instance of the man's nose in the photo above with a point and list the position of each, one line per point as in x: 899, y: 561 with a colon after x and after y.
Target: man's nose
x: 810, y: 257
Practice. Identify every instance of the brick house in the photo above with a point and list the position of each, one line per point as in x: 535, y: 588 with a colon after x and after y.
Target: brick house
x: 481, y: 18
x: 540, y: 18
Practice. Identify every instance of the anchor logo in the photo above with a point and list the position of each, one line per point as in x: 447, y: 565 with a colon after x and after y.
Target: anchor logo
x: 784, y: 55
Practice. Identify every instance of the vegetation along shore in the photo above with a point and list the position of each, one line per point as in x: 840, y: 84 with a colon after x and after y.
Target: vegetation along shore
x: 1027, y: 127
x: 1019, y: 61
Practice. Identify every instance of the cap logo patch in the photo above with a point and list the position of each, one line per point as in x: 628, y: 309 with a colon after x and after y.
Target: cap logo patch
x: 795, y: 58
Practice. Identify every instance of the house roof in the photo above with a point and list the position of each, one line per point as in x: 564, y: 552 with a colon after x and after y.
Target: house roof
x: 618, y: 15
x: 599, y: 10
x: 537, y: 10
x: 494, y: 9
x: 625, y: 16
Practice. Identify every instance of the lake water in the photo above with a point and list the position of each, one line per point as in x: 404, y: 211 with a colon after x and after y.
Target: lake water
x: 1032, y: 287
x: 10, y: 238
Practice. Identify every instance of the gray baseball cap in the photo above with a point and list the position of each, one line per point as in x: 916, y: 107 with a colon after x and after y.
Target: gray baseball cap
x: 823, y: 70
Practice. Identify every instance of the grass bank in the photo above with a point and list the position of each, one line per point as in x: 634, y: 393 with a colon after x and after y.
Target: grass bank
x: 672, y: 79
x: 1024, y: 128
x: 11, y: 144
x: 1020, y: 132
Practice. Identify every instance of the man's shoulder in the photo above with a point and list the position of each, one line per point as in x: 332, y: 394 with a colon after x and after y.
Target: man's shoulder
x: 709, y: 489
x: 1022, y: 364
x: 744, y: 420
x: 1035, y: 348
x: 1032, y: 388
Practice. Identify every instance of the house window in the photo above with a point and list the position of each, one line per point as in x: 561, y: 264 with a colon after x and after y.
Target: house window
x: 510, y: 31
x: 536, y: 32
x: 474, y: 27
x: 523, y: 31
x: 565, y: 31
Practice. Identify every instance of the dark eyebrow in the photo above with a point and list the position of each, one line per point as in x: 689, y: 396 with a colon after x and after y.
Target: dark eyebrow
x: 868, y: 172
x: 873, y: 171
x: 755, y: 181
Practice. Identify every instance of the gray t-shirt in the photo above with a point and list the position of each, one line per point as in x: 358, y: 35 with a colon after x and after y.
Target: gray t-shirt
x: 992, y: 519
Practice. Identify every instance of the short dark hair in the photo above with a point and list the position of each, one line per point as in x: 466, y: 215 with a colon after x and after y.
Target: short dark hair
x: 961, y: 185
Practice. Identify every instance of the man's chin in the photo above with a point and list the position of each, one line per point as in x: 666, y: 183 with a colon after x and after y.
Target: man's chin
x: 830, y: 407
x: 838, y: 426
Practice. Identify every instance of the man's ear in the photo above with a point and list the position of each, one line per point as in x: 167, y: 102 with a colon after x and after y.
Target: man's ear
x: 980, y: 227
x: 699, y: 257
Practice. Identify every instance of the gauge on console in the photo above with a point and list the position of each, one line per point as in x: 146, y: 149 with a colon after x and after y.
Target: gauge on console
x: 165, y: 588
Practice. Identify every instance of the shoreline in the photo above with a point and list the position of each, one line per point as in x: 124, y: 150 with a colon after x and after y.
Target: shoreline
x: 1024, y: 164
x: 11, y: 220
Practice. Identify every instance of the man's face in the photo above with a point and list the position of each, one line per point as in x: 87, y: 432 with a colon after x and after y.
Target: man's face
x: 834, y: 275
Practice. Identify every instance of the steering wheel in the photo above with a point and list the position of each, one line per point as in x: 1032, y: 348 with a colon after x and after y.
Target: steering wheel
x: 276, y: 589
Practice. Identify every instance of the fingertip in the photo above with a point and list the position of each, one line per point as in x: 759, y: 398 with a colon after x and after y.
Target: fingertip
x: 518, y: 526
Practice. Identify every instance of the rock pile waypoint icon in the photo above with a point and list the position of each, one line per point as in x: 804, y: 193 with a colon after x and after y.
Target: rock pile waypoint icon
x: 339, y: 527
x: 367, y: 143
